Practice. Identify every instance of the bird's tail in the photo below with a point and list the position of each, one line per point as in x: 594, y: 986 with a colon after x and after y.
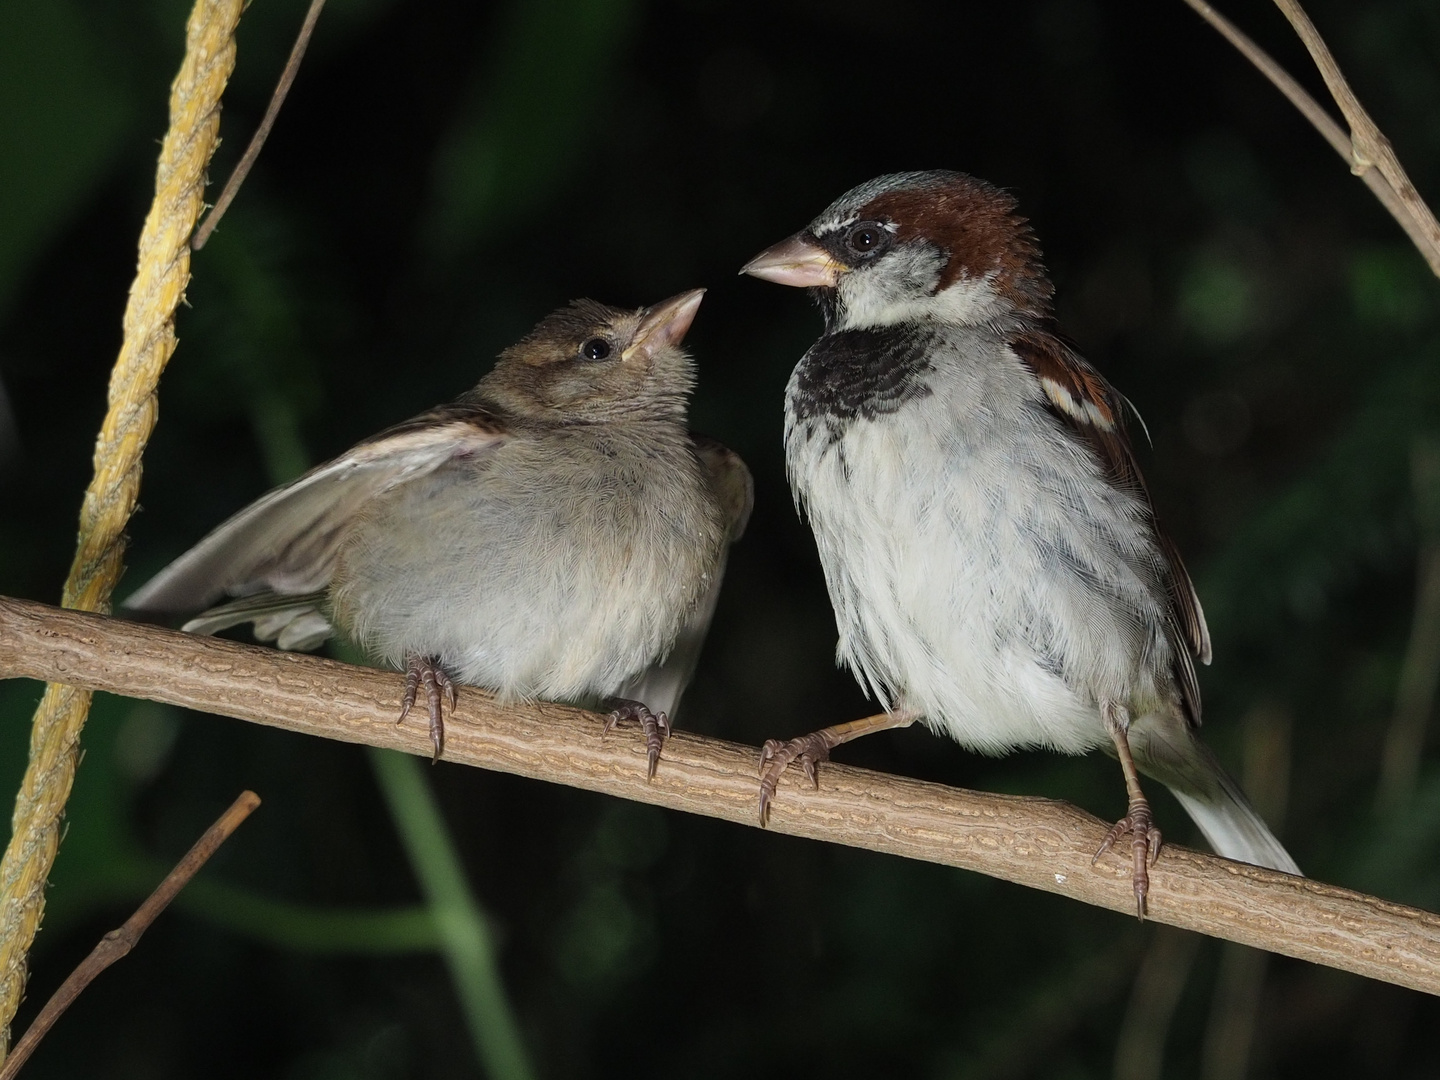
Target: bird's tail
x: 296, y: 623
x: 1234, y: 829
x: 1174, y: 755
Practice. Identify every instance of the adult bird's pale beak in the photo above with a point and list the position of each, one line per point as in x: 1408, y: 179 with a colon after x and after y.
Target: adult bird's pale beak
x: 666, y: 323
x: 796, y: 261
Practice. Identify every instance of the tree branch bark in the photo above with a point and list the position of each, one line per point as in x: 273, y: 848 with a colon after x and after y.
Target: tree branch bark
x: 1367, y: 146
x: 117, y: 944
x: 1035, y: 842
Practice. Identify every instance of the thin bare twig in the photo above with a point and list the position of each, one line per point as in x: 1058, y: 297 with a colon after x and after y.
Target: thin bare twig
x: 257, y: 141
x: 1370, y: 146
x: 161, y: 272
x: 1417, y: 221
x: 117, y: 944
x: 1039, y: 843
x: 1267, y: 65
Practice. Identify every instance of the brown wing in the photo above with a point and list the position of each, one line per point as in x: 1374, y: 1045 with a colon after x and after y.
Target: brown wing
x: 1092, y: 410
x: 731, y: 479
x: 660, y: 685
x: 286, y: 541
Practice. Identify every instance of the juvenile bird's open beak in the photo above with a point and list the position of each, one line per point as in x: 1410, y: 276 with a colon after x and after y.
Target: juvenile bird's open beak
x: 796, y: 261
x: 667, y: 322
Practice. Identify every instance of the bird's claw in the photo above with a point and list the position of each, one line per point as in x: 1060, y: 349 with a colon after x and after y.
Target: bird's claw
x: 1140, y: 823
x: 776, y: 756
x: 439, y: 687
x: 654, y: 725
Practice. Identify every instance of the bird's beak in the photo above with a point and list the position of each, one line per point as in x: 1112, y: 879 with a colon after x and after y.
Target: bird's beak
x: 666, y: 323
x: 797, y: 261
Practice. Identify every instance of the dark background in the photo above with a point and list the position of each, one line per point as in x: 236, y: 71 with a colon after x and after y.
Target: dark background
x: 445, y: 173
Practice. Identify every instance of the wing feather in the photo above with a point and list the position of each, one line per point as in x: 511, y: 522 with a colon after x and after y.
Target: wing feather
x: 731, y: 479
x: 286, y: 541
x: 1092, y: 410
x: 660, y: 686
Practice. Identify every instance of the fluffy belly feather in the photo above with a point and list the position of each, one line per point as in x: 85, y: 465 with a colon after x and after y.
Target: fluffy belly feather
x: 561, y: 591
x: 941, y: 563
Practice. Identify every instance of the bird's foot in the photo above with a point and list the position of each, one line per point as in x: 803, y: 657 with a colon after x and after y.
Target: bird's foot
x: 655, y: 726
x: 1145, y: 844
x: 776, y: 756
x: 439, y: 687
x: 814, y: 748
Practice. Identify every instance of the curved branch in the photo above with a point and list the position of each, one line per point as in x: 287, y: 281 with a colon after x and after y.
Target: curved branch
x: 1040, y: 843
x: 1370, y: 146
x: 117, y: 944
x: 1388, y: 183
x: 257, y: 141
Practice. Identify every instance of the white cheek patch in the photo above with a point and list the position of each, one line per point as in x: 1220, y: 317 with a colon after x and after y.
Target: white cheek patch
x: 965, y: 303
x: 1086, y: 411
x: 892, y: 293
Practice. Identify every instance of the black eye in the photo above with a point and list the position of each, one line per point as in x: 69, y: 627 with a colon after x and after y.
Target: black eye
x: 595, y: 349
x: 867, y: 237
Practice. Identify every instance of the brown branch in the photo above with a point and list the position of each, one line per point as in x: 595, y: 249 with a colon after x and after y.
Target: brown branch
x: 1035, y: 842
x: 257, y: 141
x: 161, y: 273
x: 1410, y: 212
x: 1370, y: 146
x: 116, y: 945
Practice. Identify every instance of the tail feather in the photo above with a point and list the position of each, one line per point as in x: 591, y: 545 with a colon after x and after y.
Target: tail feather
x: 296, y: 623
x: 1236, y: 831
x: 1170, y: 751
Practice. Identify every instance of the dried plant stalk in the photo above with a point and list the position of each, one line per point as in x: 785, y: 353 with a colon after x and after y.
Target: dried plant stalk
x: 149, y: 324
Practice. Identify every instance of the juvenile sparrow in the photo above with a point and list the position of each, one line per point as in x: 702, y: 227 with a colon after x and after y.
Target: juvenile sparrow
x: 555, y: 533
x: 989, y: 546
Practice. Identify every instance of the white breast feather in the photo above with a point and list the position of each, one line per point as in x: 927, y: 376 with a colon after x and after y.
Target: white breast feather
x: 938, y: 528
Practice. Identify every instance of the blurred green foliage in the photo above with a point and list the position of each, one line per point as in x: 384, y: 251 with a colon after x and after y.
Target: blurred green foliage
x: 60, y: 126
x: 444, y: 174
x: 464, y: 932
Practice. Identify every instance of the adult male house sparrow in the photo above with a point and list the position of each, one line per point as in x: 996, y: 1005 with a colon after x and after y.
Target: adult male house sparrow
x: 555, y: 533
x: 988, y: 542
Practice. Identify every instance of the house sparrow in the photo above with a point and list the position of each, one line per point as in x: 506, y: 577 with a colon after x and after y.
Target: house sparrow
x: 989, y: 546
x: 555, y: 533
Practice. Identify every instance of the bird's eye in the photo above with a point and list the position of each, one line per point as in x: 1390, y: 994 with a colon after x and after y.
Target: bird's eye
x: 595, y: 349
x: 866, y: 238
